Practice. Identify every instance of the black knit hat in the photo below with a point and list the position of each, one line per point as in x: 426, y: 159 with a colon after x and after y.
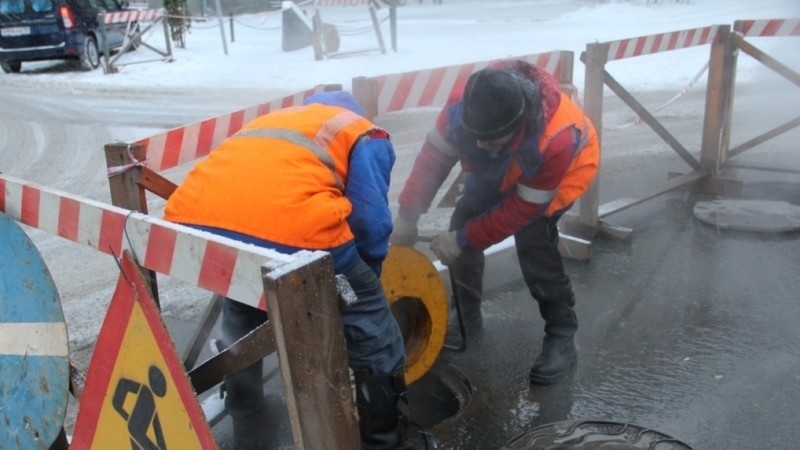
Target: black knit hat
x: 493, y: 104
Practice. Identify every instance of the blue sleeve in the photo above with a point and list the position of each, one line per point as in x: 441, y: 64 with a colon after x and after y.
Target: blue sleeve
x: 367, y: 189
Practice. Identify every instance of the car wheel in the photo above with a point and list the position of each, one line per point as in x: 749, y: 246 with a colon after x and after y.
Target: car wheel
x: 90, y: 58
x: 11, y: 66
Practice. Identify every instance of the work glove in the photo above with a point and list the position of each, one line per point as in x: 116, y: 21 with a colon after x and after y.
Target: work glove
x: 446, y: 247
x: 404, y: 232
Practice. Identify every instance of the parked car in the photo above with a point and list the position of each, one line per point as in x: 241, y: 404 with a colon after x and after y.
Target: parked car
x: 35, y: 30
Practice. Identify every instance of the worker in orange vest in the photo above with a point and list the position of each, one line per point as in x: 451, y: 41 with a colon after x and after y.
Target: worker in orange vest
x: 528, y: 152
x: 314, y: 177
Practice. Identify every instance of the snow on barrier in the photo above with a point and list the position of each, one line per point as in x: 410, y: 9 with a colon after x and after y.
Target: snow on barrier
x: 221, y: 265
x: 190, y: 142
x: 395, y: 92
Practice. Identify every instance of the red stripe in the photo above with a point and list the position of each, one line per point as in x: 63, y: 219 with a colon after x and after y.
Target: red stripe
x: 462, y: 77
x: 263, y: 109
x: 205, y: 138
x: 111, y: 228
x: 401, y: 92
x: 673, y: 41
x: 262, y: 302
x: 217, y: 268
x: 160, y: 249
x: 2, y: 195
x: 704, y: 33
x: 172, y: 149
x: 432, y: 88
x: 287, y: 101
x: 796, y: 30
x: 621, y: 49
x: 30, y: 206
x: 639, y: 47
x: 68, y: 215
x: 237, y: 120
x: 772, y: 28
x: 657, y: 42
x: 689, y: 38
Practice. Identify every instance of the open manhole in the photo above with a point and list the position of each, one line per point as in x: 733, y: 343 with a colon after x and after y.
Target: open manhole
x: 595, y: 435
x: 439, y: 395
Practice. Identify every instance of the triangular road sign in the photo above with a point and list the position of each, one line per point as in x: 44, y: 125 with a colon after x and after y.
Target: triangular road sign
x: 137, y: 394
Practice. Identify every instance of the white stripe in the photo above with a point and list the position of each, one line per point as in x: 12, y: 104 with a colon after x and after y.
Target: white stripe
x: 531, y: 195
x: 34, y: 339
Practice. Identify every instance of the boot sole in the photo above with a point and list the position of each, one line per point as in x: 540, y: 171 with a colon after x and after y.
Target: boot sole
x: 552, y: 379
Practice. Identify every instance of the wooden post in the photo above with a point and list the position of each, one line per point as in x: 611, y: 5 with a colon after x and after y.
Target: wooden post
x: 366, y: 91
x: 125, y: 189
x: 717, y: 96
x: 595, y: 59
x: 304, y: 310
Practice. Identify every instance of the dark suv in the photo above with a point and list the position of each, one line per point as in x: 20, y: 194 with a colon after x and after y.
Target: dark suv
x: 34, y: 30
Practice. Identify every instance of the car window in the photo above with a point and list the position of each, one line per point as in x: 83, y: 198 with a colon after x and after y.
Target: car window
x: 86, y: 4
x: 42, y: 5
x: 12, y: 6
x: 109, y: 5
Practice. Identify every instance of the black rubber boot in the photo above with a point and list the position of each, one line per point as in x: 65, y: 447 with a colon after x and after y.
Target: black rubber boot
x: 558, y: 347
x: 382, y: 409
x: 466, y: 279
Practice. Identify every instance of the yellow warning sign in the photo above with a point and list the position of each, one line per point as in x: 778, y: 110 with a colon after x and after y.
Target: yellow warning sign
x: 137, y: 394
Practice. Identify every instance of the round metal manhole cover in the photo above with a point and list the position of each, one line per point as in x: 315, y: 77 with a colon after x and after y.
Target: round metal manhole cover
x: 594, y: 435
x: 749, y: 215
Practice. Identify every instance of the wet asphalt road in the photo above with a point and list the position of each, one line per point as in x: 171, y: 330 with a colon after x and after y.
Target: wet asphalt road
x: 687, y: 330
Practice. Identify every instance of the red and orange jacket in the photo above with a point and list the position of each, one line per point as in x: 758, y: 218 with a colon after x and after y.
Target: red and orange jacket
x: 543, y: 173
x: 314, y: 177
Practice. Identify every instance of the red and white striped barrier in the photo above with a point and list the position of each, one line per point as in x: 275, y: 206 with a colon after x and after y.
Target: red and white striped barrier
x: 221, y: 265
x: 432, y: 87
x: 133, y: 16
x: 656, y: 43
x: 190, y: 142
x: 765, y: 28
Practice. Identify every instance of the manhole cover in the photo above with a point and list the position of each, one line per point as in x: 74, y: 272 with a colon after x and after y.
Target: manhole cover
x: 594, y: 435
x: 749, y: 215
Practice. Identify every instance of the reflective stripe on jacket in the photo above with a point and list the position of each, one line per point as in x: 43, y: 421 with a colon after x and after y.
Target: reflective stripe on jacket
x: 281, y: 179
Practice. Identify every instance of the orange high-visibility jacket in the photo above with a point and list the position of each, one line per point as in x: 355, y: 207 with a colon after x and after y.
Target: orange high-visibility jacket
x: 281, y: 179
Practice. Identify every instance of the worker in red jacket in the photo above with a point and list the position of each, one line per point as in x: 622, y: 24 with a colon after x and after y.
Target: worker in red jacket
x: 314, y: 177
x: 528, y: 152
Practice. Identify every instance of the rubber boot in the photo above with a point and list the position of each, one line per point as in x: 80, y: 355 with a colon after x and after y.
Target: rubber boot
x: 558, y: 347
x: 466, y: 277
x: 382, y: 409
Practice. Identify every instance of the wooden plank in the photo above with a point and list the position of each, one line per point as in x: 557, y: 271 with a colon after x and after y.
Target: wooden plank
x: 311, y: 350
x: 125, y: 189
x: 155, y: 183
x: 718, y: 94
x: 595, y: 60
x: 620, y: 204
x: 648, y: 118
x: 760, y: 139
x: 768, y: 61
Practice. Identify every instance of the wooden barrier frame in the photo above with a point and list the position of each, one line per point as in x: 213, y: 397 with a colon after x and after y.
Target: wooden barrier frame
x: 758, y: 28
x: 298, y: 288
x: 321, y: 50
x: 595, y: 59
x: 154, y: 16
